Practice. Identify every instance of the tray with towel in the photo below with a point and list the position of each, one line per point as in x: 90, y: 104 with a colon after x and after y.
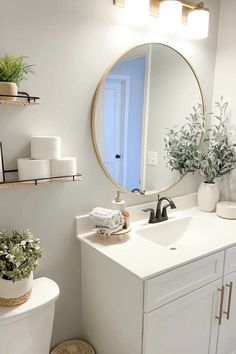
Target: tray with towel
x: 108, y: 223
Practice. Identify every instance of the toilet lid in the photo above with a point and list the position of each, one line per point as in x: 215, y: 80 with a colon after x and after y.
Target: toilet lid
x: 73, y: 347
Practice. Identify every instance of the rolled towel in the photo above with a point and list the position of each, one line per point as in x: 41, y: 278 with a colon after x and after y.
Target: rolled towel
x: 63, y: 167
x: 106, y: 218
x: 33, y: 169
x: 45, y: 147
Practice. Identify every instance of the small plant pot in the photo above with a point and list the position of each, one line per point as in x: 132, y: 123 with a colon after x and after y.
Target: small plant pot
x: 8, y: 88
x: 208, y: 196
x: 12, y: 294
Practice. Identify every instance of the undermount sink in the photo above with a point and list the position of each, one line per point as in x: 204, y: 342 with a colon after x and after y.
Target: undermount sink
x: 173, y: 233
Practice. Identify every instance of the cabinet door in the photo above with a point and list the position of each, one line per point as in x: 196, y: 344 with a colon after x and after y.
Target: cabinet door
x: 227, y: 332
x: 185, y: 326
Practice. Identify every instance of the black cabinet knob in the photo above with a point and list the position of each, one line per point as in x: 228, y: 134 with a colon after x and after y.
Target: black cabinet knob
x: 118, y: 156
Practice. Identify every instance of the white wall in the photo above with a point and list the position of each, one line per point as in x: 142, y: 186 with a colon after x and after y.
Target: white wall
x: 225, y: 77
x: 71, y: 42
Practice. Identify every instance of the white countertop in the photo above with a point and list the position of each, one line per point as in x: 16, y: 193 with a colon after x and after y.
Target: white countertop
x: 146, y: 259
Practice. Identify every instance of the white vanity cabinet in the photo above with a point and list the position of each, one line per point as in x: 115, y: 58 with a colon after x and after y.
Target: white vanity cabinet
x: 187, y: 301
x: 227, y: 331
x: 184, y: 326
x: 182, y: 311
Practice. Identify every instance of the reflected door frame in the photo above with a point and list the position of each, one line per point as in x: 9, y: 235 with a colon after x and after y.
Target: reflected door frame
x: 148, y: 55
x: 125, y: 87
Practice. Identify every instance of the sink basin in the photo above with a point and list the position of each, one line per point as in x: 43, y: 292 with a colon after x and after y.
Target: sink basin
x: 172, y: 233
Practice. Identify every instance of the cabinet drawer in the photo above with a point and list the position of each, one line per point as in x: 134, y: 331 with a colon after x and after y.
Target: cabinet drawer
x: 230, y: 260
x: 178, y: 282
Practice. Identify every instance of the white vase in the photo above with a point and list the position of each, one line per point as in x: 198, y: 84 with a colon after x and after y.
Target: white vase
x: 10, y: 290
x: 8, y: 88
x: 208, y: 196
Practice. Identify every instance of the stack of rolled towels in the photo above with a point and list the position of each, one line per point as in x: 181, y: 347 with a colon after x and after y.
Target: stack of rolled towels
x: 106, y: 221
x: 46, y: 160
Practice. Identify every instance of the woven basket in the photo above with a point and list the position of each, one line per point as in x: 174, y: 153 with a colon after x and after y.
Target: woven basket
x: 73, y: 347
x: 15, y: 301
x: 15, y: 293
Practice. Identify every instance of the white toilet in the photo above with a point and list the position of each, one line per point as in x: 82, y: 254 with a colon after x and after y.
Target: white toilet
x: 27, y: 329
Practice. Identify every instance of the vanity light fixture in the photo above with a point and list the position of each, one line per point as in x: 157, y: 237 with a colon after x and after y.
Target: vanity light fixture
x: 172, y: 14
x: 137, y: 11
x: 198, y: 23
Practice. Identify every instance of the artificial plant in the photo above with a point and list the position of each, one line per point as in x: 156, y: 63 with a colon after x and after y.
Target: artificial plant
x: 14, y: 68
x: 19, y: 254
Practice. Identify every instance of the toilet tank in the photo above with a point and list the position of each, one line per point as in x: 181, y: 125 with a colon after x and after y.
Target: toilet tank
x: 27, y: 328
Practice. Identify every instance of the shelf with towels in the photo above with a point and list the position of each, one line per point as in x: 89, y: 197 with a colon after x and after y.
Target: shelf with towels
x: 39, y: 181
x: 22, y: 99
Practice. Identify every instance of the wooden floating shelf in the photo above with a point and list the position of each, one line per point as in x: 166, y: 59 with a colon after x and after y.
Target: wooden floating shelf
x: 39, y: 182
x: 18, y: 103
x: 22, y: 99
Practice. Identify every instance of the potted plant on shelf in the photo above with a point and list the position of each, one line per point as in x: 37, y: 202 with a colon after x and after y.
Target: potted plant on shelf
x: 218, y: 159
x: 19, y: 254
x: 13, y: 69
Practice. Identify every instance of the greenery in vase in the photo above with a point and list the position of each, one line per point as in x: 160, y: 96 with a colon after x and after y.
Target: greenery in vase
x: 219, y: 157
x: 19, y: 254
x: 215, y: 157
x: 14, y: 68
x: 182, y: 145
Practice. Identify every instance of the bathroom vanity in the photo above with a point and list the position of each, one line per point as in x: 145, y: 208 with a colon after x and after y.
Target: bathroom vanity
x: 168, y: 288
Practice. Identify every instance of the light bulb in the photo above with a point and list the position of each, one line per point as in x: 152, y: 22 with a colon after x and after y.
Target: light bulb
x: 137, y: 11
x: 170, y: 15
x: 198, y: 24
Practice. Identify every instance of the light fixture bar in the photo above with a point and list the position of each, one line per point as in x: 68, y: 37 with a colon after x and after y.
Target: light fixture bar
x: 154, y: 6
x: 120, y: 3
x: 187, y: 6
x: 193, y: 6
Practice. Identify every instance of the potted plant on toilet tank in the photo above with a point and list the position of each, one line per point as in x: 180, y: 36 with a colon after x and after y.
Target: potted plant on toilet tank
x: 13, y: 69
x: 19, y: 254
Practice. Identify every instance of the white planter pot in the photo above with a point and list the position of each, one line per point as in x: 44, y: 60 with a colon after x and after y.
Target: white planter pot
x: 10, y: 290
x: 8, y: 88
x: 208, y: 196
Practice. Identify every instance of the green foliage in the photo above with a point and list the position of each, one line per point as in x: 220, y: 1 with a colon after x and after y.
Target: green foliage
x: 215, y: 157
x: 219, y: 158
x: 14, y: 68
x: 182, y: 145
x: 19, y: 254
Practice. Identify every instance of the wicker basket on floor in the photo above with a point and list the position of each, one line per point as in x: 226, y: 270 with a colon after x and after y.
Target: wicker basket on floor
x: 73, y: 347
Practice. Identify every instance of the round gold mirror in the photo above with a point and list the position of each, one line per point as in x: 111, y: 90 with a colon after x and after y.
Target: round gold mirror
x: 147, y: 90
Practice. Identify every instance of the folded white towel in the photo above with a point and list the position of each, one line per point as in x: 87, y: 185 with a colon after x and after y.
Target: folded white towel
x: 106, y: 218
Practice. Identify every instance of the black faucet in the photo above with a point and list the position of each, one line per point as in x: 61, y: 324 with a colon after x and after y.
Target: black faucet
x: 161, y: 213
x: 140, y: 191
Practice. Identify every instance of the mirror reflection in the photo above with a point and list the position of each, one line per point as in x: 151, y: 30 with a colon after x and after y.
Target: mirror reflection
x: 149, y: 89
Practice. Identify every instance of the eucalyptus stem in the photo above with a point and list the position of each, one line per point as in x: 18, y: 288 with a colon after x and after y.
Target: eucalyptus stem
x: 215, y: 156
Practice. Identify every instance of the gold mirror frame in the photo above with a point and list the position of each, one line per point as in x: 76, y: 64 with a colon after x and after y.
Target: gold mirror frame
x: 93, y: 118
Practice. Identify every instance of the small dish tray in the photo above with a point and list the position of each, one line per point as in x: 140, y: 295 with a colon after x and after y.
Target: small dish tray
x: 226, y: 210
x: 119, y: 235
